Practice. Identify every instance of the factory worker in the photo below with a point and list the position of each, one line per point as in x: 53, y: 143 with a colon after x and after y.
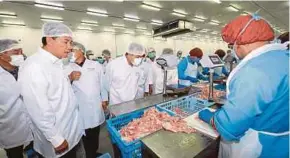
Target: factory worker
x: 145, y: 82
x: 49, y: 97
x: 122, y: 75
x: 158, y: 73
x: 220, y: 71
x: 151, y: 55
x: 188, y: 72
x: 254, y: 122
x: 90, y: 55
x: 15, y: 130
x: 107, y: 56
x: 179, y: 55
x: 91, y: 96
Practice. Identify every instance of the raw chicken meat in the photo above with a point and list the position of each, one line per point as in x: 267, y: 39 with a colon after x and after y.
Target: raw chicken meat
x: 205, y: 91
x: 152, y: 121
x: 180, y: 112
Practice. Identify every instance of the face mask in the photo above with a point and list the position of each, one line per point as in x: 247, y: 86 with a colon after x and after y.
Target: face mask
x: 101, y: 61
x: 234, y: 53
x: 194, y: 60
x: 72, y: 57
x: 151, y: 55
x: 16, y: 60
x: 65, y: 61
x: 137, y: 61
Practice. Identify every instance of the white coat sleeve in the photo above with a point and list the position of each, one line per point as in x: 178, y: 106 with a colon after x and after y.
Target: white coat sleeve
x: 34, y: 87
x: 108, y: 78
x: 104, y: 92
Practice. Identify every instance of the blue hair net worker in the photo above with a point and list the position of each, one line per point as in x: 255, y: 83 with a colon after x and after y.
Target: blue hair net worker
x: 254, y: 122
x: 188, y: 73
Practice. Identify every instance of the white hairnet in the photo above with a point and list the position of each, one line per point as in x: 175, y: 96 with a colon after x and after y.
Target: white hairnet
x: 171, y: 60
x: 151, y: 49
x: 136, y: 49
x: 167, y: 51
x: 56, y: 29
x: 8, y: 44
x: 77, y: 45
x: 106, y: 52
x: 89, y: 52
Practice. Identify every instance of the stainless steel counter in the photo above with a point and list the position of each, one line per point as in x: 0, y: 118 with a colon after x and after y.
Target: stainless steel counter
x: 133, y: 105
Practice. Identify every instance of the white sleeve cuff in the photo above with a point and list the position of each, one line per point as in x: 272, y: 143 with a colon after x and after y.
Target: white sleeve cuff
x: 56, y: 141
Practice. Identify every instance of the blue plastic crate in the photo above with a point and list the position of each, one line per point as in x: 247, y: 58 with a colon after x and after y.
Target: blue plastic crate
x: 128, y: 149
x: 188, y: 104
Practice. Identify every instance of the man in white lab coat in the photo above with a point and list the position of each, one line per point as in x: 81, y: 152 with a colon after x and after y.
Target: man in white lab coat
x: 146, y: 79
x: 15, y: 130
x: 49, y: 97
x: 123, y: 73
x: 107, y: 56
x: 91, y: 96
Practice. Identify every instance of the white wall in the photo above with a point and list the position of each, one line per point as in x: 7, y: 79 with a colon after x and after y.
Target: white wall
x: 117, y: 44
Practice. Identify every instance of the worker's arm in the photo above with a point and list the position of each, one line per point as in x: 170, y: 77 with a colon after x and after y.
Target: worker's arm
x: 108, y: 77
x: 104, y: 92
x: 224, y: 71
x: 34, y: 89
x: 247, y: 99
x: 181, y: 69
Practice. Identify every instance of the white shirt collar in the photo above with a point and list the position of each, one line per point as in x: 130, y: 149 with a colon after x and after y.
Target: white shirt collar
x: 50, y: 56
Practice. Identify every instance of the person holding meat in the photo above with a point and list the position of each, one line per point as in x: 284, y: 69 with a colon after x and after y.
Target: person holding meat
x: 254, y: 122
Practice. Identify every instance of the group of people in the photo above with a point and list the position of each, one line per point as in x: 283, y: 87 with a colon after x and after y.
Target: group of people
x: 56, y: 98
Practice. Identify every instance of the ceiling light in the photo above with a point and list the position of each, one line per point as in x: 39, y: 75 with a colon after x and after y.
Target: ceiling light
x: 8, y: 14
x: 150, y: 7
x: 152, y: 3
x: 118, y: 25
x: 200, y: 17
x: 178, y: 14
x: 84, y: 28
x: 19, y: 23
x: 203, y: 30
x: 50, y: 17
x: 153, y: 23
x: 197, y: 19
x: 179, y: 11
x: 232, y: 8
x: 51, y: 20
x: 217, y: 1
x: 49, y: 5
x: 157, y: 21
x: 97, y: 12
x: 89, y: 21
x: 147, y: 33
x: 214, y: 33
x: 131, y: 18
x: 109, y: 30
x: 130, y: 32
x: 89, y: 24
x: 141, y: 28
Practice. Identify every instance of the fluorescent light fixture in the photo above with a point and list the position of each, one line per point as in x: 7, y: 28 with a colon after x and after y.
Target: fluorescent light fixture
x: 50, y: 17
x: 178, y: 14
x: 51, y: 20
x: 214, y: 33
x: 49, y: 3
x: 131, y: 18
x: 48, y: 7
x: 8, y: 14
x: 18, y: 23
x: 152, y: 3
x: 233, y: 8
x: 150, y: 7
x: 197, y: 19
x: 217, y: 1
x: 97, y: 12
x: 215, y: 21
x: 84, y: 28
x: 141, y: 28
x: 89, y: 21
x: 89, y: 24
x: 153, y: 23
x: 179, y: 11
x: 203, y: 30
x: 130, y: 32
x: 118, y: 25
x: 147, y: 33
x: 109, y: 30
x: 212, y: 22
x: 157, y: 21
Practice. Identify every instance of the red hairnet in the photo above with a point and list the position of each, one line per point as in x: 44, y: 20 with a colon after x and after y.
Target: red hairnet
x: 257, y: 30
x: 196, y: 52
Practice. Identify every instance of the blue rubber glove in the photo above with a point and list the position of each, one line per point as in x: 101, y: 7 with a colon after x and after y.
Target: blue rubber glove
x: 204, y: 78
x: 205, y: 115
x: 192, y: 79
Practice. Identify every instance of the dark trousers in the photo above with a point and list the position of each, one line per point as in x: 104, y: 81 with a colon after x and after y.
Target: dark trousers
x: 16, y: 152
x: 91, y: 141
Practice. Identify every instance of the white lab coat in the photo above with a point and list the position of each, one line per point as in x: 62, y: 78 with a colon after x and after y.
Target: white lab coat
x: 50, y: 102
x: 14, y: 121
x: 121, y: 80
x: 146, y: 78
x: 105, y: 64
x: 90, y: 92
x: 158, y: 76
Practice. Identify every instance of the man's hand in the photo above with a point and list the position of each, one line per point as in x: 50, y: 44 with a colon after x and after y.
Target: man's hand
x: 75, y: 75
x: 62, y: 148
x: 105, y: 105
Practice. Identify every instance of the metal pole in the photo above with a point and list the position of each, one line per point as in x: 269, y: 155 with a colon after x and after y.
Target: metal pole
x: 210, y: 95
x: 164, y: 79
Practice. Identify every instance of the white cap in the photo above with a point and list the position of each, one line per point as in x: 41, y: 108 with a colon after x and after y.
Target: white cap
x: 171, y: 60
x: 167, y: 51
x: 56, y: 29
x: 151, y: 49
x: 136, y: 49
x: 8, y: 44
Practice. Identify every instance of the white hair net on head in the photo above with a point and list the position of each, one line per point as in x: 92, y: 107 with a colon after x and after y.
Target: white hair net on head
x: 106, y: 52
x: 56, y: 29
x: 8, y: 44
x: 167, y: 51
x: 77, y: 45
x: 171, y: 59
x: 136, y: 49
